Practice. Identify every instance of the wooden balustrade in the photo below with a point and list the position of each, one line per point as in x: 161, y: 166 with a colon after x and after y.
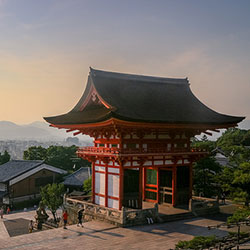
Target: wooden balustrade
x: 136, y: 151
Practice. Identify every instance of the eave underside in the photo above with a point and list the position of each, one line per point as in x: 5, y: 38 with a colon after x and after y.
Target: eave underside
x: 119, y: 126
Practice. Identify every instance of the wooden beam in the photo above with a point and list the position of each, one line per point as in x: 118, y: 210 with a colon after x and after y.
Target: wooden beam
x: 77, y: 133
x: 208, y: 133
x: 70, y: 130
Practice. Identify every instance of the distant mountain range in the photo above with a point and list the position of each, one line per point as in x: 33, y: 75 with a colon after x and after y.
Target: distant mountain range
x: 41, y: 131
x: 34, y: 131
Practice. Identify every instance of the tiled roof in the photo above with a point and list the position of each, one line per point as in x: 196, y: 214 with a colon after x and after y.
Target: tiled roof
x: 15, y: 168
x: 78, y: 177
x: 141, y: 99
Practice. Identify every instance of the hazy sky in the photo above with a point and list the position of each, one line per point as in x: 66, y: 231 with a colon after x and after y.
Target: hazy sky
x: 47, y: 46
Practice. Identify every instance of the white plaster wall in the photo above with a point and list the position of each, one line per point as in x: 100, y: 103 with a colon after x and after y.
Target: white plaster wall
x: 148, y: 163
x: 98, y: 168
x: 113, y: 203
x: 158, y: 162
x: 114, y: 170
x: 100, y: 183
x: 127, y: 164
x: 99, y: 200
x: 168, y: 162
x: 113, y: 185
x: 166, y: 136
x: 135, y: 163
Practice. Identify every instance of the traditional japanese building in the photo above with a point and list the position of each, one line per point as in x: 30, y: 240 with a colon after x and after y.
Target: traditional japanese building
x: 141, y: 127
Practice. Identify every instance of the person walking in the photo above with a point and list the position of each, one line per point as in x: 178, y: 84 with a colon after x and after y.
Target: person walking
x: 65, y: 219
x: 8, y: 210
x: 80, y: 218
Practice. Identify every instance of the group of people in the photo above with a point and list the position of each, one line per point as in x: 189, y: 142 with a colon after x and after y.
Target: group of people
x: 2, y: 211
x: 79, y: 217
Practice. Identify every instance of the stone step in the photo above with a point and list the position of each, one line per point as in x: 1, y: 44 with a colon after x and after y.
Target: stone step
x: 173, y: 217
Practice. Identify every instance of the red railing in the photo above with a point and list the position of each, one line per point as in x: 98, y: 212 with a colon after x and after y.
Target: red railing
x: 116, y: 151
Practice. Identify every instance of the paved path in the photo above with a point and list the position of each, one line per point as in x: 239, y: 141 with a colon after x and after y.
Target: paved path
x: 98, y: 235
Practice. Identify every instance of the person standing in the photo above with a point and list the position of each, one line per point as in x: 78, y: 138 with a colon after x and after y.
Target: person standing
x: 31, y: 226
x: 80, y: 218
x: 8, y: 210
x: 65, y: 219
x: 1, y: 212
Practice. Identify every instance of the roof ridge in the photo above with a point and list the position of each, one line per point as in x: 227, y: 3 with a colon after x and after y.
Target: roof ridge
x: 94, y: 72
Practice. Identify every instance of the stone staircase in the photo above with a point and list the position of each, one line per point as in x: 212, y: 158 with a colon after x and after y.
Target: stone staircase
x: 174, y: 217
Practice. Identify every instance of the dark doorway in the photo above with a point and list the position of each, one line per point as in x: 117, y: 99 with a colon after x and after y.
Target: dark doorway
x: 166, y: 186
x: 182, y: 185
x: 131, y: 194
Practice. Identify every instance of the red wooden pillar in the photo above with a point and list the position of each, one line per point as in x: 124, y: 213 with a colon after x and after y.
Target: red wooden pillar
x: 158, y: 185
x: 140, y: 188
x: 106, y: 185
x: 190, y: 180
x: 174, y: 185
x: 93, y: 182
x: 144, y: 184
x: 121, y: 178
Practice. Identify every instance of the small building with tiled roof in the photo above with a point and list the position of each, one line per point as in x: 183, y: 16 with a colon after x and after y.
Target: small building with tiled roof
x: 75, y: 180
x: 22, y: 179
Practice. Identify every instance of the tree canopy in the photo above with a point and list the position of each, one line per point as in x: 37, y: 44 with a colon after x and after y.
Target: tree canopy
x: 5, y: 157
x: 52, y: 197
x: 57, y: 156
x: 233, y: 179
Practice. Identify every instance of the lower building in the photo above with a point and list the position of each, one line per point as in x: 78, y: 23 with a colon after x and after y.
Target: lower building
x: 22, y: 180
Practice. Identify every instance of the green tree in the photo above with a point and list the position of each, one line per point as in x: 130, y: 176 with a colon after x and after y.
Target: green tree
x: 241, y: 214
x: 57, y: 156
x: 204, y: 176
x: 241, y: 180
x: 203, y: 144
x: 224, y: 180
x: 35, y: 153
x: 52, y: 197
x: 87, y: 185
x: 5, y: 157
x: 198, y: 242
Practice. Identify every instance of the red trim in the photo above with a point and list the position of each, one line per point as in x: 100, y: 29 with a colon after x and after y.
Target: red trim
x: 113, y: 173
x: 151, y: 185
x: 158, y: 185
x: 154, y: 201
x: 132, y: 125
x: 113, y: 198
x: 151, y: 190
x: 102, y: 195
x: 100, y: 172
x: 144, y: 183
x: 93, y: 182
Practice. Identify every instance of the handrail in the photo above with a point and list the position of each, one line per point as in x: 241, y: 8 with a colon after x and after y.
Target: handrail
x: 103, y: 150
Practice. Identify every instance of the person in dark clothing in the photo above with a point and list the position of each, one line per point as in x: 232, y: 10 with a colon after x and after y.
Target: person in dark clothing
x: 80, y: 218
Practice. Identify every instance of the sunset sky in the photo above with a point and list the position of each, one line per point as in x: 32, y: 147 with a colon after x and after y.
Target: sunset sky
x: 47, y: 46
